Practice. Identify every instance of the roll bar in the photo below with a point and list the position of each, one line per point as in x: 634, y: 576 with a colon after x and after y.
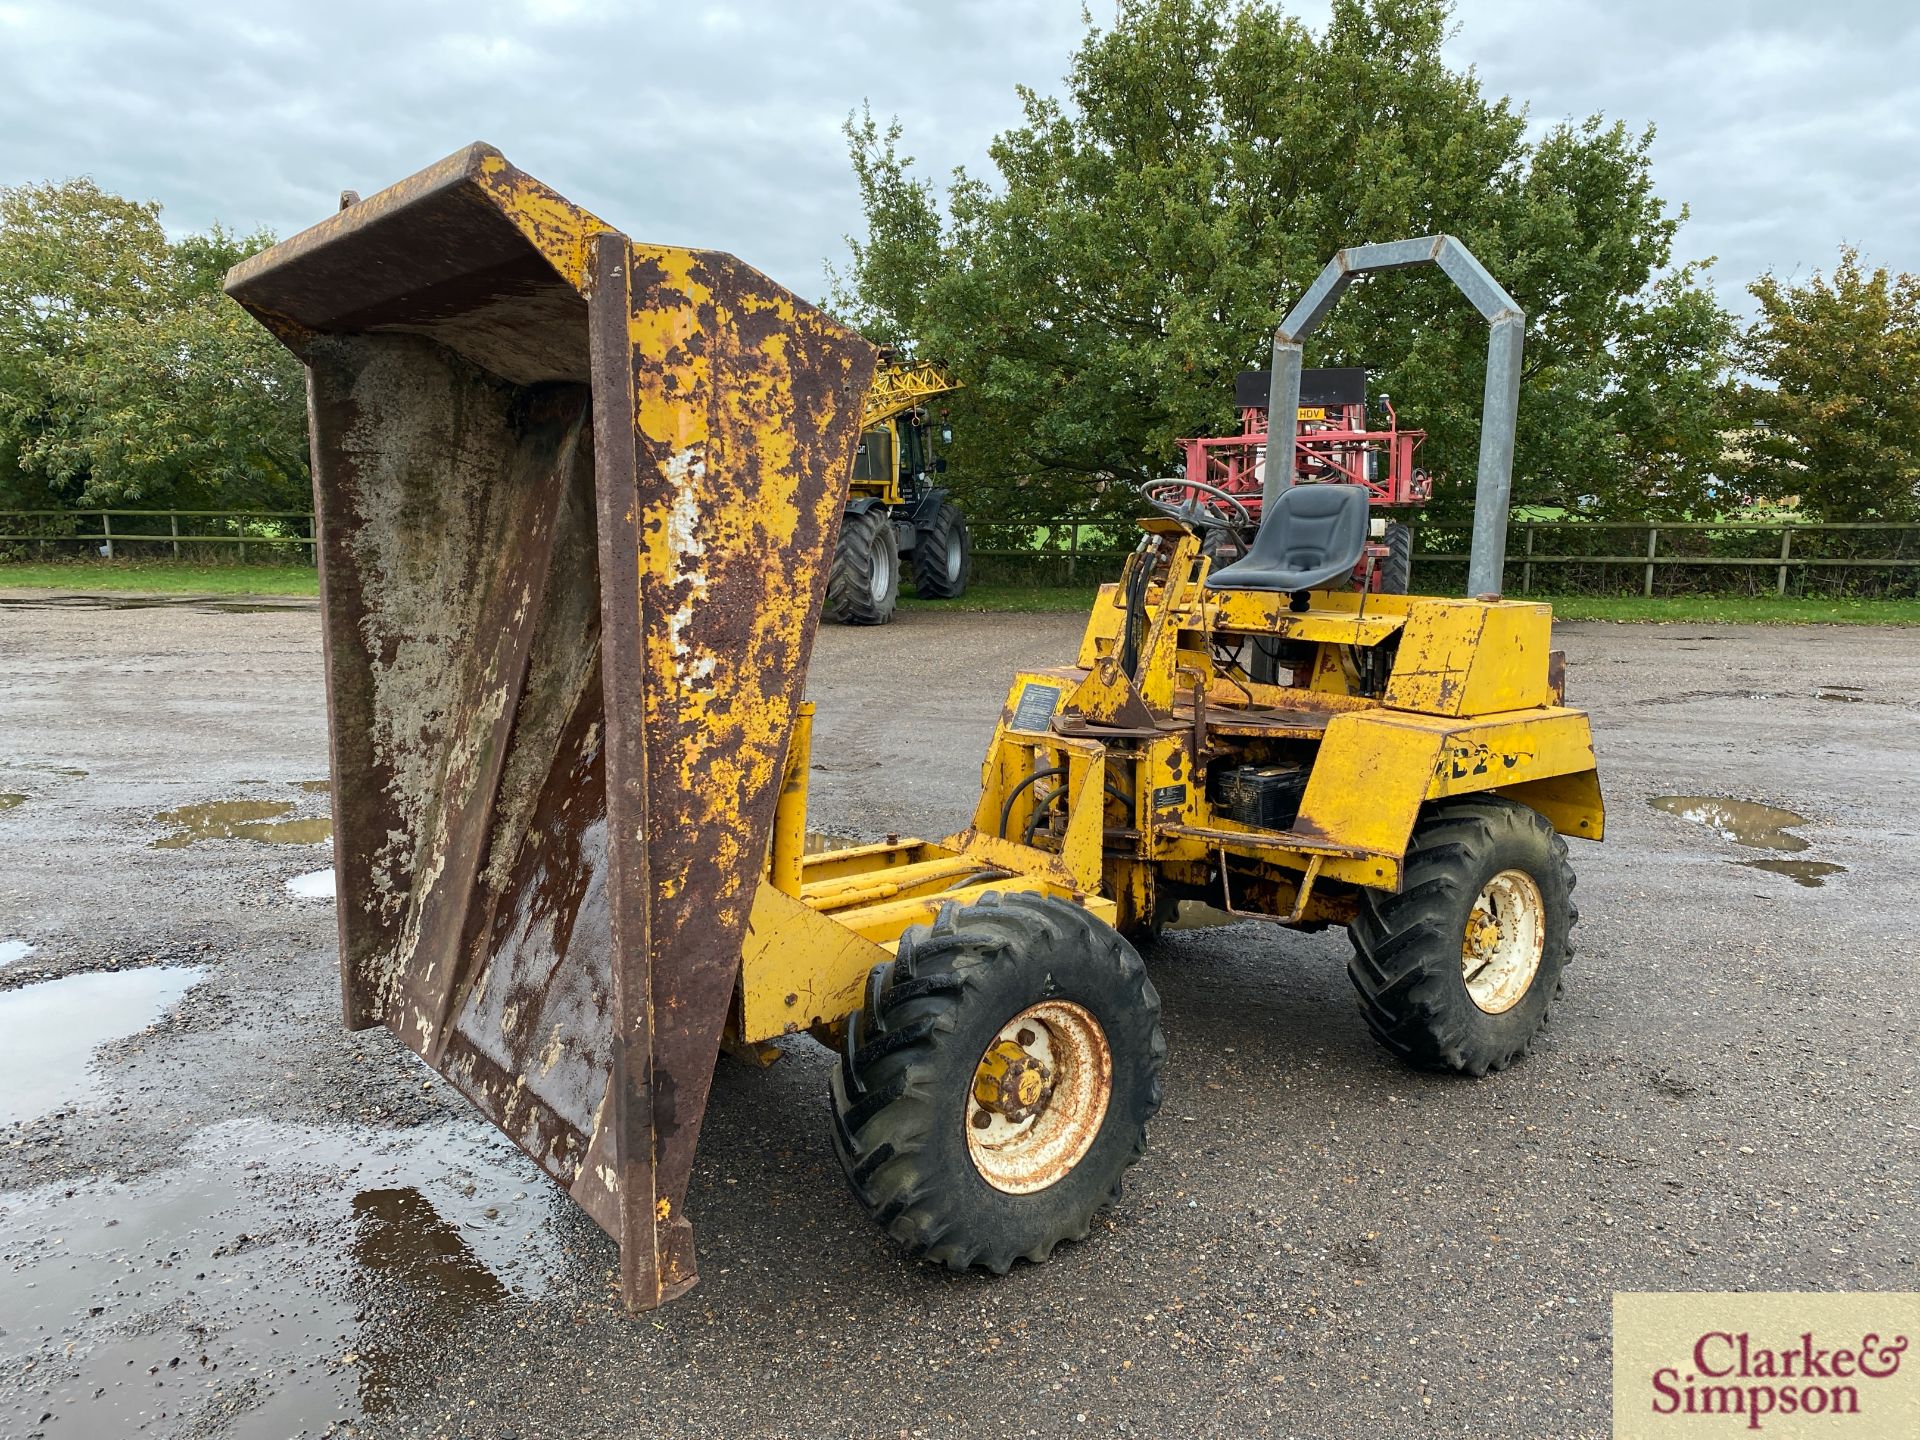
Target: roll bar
x: 1499, y: 410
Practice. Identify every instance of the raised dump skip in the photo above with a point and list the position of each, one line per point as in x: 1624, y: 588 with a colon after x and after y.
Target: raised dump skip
x: 574, y: 497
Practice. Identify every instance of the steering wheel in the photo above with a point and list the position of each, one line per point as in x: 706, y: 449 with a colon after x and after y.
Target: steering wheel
x: 1203, y: 506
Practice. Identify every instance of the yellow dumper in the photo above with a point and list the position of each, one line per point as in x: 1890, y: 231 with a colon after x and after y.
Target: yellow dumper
x: 577, y: 497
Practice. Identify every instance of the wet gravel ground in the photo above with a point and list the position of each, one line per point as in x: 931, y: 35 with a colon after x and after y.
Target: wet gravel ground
x: 237, y: 1220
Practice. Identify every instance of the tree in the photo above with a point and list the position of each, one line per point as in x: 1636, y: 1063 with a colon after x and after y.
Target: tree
x: 1144, y: 235
x: 69, y: 255
x: 1834, y: 409
x: 126, y: 376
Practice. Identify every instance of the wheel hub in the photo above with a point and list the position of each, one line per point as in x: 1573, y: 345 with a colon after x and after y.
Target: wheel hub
x: 1012, y: 1083
x: 1038, y: 1097
x: 1505, y: 937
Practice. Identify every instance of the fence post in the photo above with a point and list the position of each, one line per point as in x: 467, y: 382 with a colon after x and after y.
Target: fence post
x: 1526, y: 571
x: 1653, y: 540
x: 173, y: 526
x: 1073, y: 551
x: 106, y: 530
x: 1786, y: 549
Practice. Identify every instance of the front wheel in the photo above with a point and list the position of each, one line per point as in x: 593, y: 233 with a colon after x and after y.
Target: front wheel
x: 998, y: 1082
x: 1457, y: 970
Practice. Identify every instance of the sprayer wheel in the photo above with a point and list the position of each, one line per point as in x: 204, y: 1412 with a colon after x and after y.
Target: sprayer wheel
x: 943, y: 556
x: 1396, y: 571
x: 1456, y: 972
x: 864, y: 583
x: 1222, y: 546
x: 998, y: 1083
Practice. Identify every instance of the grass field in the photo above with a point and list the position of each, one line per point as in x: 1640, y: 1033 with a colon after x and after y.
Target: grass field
x: 995, y: 597
x: 171, y: 577
x: 988, y: 597
x: 1734, y: 610
x: 1695, y: 609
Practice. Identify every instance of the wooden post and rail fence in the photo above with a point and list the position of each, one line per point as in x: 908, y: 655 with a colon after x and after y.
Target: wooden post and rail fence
x: 46, y: 529
x: 1778, y: 550
x: 1076, y: 549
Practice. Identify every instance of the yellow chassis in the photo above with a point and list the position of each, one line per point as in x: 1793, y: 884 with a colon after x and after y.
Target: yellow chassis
x: 1464, y: 698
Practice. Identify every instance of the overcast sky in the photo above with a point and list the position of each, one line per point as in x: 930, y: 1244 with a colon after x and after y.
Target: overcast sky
x: 1786, y: 126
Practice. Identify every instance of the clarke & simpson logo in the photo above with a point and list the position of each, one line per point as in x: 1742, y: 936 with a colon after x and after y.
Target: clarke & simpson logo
x: 1785, y: 1365
x: 1730, y: 1375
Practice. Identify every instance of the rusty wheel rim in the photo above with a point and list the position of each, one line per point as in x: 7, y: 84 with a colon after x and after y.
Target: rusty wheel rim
x: 1038, y: 1098
x: 1506, y: 936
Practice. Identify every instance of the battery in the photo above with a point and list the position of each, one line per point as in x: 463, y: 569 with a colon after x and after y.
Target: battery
x: 1264, y: 795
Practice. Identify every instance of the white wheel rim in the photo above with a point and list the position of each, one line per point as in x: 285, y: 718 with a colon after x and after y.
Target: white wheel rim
x: 953, y: 559
x: 880, y: 579
x: 1505, y: 937
x: 1038, y: 1098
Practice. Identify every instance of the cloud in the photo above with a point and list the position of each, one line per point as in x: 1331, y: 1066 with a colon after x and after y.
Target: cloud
x: 1787, y: 128
x: 709, y: 125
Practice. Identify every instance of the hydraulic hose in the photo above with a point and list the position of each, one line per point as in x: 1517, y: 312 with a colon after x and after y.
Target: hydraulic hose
x: 1006, y: 810
x: 1039, y: 813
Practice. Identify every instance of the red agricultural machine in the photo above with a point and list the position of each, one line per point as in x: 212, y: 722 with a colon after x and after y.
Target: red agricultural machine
x: 1334, y: 446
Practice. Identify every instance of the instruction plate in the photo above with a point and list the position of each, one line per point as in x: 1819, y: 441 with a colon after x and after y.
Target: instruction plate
x: 1034, y: 710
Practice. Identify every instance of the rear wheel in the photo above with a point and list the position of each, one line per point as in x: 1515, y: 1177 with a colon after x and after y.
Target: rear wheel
x: 943, y: 556
x: 998, y: 1081
x: 864, y: 583
x: 1457, y: 970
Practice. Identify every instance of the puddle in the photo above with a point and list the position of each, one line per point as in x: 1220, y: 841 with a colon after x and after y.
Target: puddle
x: 314, y: 885
x: 65, y: 772
x: 51, y: 1029
x: 94, y: 602
x: 1745, y: 822
x: 1848, y: 693
x: 240, y: 820
x: 818, y: 842
x: 316, y: 787
x: 293, y: 605
x: 12, y: 802
x: 14, y: 951
x: 279, y: 1280
x: 1811, y: 873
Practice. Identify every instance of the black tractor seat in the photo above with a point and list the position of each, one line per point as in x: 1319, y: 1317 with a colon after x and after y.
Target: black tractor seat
x: 1310, y: 536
